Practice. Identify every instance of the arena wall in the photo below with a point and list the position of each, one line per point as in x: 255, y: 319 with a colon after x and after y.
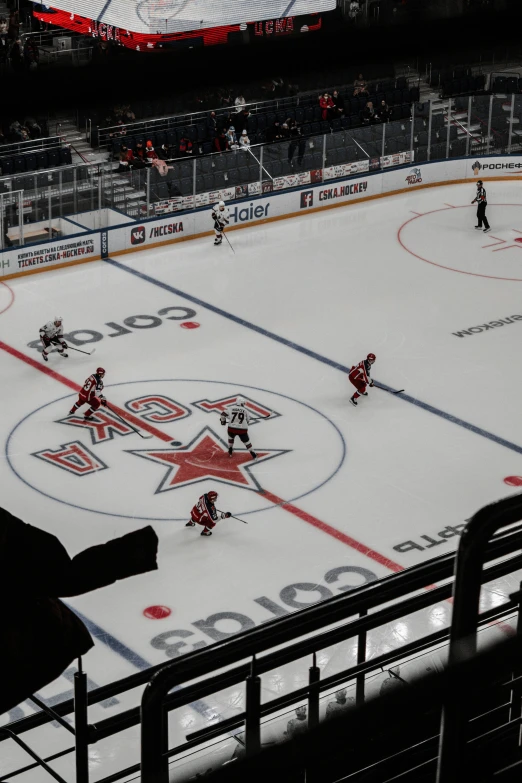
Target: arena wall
x: 130, y: 236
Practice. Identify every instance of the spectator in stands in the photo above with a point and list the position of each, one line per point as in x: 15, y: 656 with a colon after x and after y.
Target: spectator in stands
x: 338, y: 105
x: 18, y: 132
x: 16, y: 53
x: 383, y: 112
x: 274, y: 133
x: 221, y: 141
x: 353, y: 10
x: 296, y: 142
x: 393, y: 682
x: 35, y: 130
x: 326, y: 104
x: 232, y: 138
x: 297, y: 725
x: 340, y: 705
x: 244, y: 141
x: 225, y: 97
x: 239, y: 103
x: 368, y: 114
x: 31, y: 54
x: 212, y: 124
x: 126, y: 159
x: 165, y: 153
x: 128, y: 114
x: 241, y: 120
x: 4, y: 41
x: 285, y: 131
x: 150, y: 152
x: 140, y: 155
x: 359, y: 86
x: 185, y: 147
x: 13, y: 29
x: 7, y: 240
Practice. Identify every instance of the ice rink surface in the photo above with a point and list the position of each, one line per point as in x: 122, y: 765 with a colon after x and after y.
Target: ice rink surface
x: 340, y: 495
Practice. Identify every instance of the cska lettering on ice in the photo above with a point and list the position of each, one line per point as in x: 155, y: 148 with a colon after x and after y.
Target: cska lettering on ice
x: 343, y: 190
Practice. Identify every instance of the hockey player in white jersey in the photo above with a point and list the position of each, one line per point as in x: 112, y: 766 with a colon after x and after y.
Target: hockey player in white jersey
x: 51, y: 334
x: 238, y: 419
x: 221, y: 218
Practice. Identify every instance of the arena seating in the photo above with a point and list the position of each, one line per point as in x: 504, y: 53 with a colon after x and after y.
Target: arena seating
x: 304, y: 109
x: 33, y: 156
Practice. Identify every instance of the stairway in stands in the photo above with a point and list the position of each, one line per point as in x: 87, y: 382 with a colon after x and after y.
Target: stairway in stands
x: 123, y: 192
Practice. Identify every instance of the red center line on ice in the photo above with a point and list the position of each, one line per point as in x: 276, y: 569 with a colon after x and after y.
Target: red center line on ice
x: 75, y: 387
x: 332, y: 531
x: 303, y: 515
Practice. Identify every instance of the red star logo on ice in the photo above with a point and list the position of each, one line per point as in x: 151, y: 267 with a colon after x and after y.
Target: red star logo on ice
x: 206, y: 457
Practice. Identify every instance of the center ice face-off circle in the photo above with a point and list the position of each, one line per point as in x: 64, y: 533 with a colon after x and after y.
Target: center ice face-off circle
x: 106, y: 468
x: 447, y: 238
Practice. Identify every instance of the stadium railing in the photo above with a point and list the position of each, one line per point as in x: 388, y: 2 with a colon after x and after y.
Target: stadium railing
x: 417, y: 592
x: 467, y: 126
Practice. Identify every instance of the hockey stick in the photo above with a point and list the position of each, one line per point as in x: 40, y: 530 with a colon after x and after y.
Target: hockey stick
x: 145, y: 437
x: 383, y: 389
x: 228, y: 240
x: 89, y: 353
x: 233, y: 517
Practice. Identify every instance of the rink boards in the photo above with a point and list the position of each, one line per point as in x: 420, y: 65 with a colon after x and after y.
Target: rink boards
x: 179, y: 226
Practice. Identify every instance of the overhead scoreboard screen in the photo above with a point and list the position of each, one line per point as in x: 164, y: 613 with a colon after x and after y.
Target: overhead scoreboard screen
x: 203, y: 21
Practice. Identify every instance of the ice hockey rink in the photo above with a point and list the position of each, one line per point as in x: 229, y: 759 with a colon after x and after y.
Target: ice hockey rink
x: 339, y: 496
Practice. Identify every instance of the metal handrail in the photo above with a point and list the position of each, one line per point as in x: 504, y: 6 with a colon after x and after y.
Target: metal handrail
x: 31, y: 145
x: 192, y: 118
x: 470, y: 558
x: 254, y: 641
x: 387, y: 589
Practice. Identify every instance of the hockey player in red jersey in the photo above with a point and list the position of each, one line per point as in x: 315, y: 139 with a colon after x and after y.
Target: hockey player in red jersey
x: 359, y: 376
x: 205, y: 513
x: 91, y: 393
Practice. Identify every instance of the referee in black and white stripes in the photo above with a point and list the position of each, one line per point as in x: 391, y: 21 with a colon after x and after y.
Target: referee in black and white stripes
x: 482, y: 202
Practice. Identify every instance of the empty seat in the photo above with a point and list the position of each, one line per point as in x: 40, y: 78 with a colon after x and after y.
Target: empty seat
x: 53, y: 158
x: 19, y: 164
x: 160, y: 191
x: 65, y: 156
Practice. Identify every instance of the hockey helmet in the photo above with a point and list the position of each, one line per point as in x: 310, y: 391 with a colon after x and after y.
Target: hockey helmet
x: 371, y: 358
x: 58, y: 319
x: 239, y: 401
x: 100, y: 371
x: 221, y: 205
x: 212, y: 496
x: 479, y: 183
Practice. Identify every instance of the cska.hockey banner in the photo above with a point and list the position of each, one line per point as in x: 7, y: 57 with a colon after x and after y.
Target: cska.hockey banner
x: 184, y: 217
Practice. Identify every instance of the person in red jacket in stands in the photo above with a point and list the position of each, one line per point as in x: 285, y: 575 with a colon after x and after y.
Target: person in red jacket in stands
x: 326, y: 104
x: 126, y: 158
x: 185, y: 147
x: 150, y: 152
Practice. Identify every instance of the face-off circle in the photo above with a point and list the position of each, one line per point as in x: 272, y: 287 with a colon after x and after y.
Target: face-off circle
x: 104, y: 467
x: 446, y: 238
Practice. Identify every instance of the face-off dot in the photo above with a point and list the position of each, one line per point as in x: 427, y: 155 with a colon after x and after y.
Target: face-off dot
x: 513, y: 481
x: 157, y: 612
x: 190, y: 325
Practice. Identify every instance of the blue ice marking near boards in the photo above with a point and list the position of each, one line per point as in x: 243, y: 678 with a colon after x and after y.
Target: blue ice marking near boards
x: 313, y: 355
x: 136, y: 660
